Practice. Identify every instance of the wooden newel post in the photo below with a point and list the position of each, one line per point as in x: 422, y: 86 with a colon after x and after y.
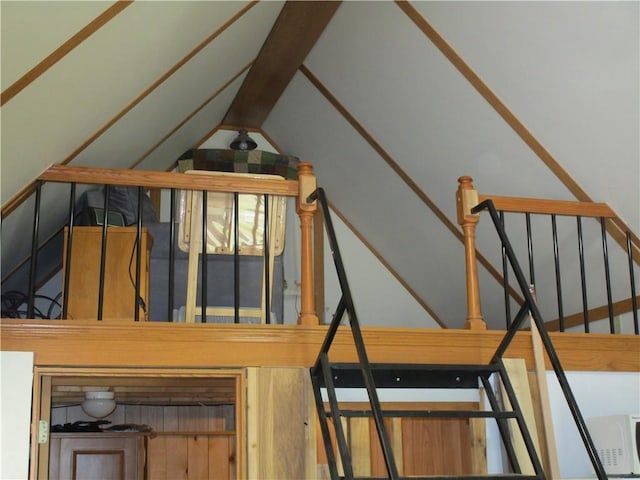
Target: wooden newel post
x: 306, y: 212
x: 466, y: 199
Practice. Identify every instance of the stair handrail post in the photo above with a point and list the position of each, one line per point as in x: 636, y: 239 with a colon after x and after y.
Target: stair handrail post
x: 306, y: 211
x: 466, y: 199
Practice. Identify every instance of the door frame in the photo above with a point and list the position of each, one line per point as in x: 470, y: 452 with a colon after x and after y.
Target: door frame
x: 41, y: 405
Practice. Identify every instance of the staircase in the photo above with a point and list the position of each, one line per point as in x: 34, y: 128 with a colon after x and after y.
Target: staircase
x: 331, y: 377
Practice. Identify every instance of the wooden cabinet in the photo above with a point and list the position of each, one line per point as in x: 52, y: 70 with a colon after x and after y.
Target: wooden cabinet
x: 96, y: 456
x: 120, y: 273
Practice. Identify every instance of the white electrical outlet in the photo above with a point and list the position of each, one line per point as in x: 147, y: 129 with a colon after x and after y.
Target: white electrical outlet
x: 43, y: 431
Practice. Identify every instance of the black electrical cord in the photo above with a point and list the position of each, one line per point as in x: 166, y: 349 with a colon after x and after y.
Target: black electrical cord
x: 13, y: 300
x: 140, y: 301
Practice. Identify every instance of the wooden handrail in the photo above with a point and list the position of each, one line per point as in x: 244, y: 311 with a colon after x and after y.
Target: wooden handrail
x: 468, y: 197
x: 549, y: 207
x: 300, y: 189
x: 153, y: 179
x: 615, y: 226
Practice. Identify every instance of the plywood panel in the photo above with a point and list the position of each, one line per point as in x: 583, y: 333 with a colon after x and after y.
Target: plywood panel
x: 437, y: 446
x: 517, y: 372
x: 394, y: 430
x: 279, y: 418
x: 359, y: 444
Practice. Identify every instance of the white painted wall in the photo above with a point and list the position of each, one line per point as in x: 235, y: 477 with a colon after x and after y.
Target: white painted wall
x: 379, y: 299
x: 16, y: 382
x: 597, y: 394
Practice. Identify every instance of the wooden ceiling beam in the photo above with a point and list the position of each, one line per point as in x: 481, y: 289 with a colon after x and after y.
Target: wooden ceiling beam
x: 293, y: 35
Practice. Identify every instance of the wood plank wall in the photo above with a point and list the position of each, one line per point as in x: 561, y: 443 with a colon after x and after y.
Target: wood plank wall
x: 190, y: 442
x: 421, y: 446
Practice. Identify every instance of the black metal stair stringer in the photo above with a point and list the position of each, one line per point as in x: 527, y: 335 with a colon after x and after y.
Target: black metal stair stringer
x: 333, y: 376
x: 319, y: 368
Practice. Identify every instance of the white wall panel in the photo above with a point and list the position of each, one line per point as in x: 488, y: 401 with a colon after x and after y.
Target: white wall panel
x: 570, y: 72
x: 31, y: 31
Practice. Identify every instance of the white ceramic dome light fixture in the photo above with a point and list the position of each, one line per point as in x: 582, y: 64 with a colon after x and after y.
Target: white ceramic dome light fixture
x: 98, y: 404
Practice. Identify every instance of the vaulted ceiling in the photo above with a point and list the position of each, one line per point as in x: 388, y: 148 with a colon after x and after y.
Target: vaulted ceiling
x: 391, y: 102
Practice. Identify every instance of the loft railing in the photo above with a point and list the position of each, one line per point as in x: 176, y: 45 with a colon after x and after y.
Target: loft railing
x: 585, y: 242
x: 237, y: 185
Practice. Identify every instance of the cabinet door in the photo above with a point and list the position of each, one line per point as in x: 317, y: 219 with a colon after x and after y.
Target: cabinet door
x: 97, y: 458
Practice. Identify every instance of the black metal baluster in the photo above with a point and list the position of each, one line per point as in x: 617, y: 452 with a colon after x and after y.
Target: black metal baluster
x: 33, y: 267
x: 67, y: 263
x: 203, y: 284
x: 172, y: 254
x: 103, y: 251
x: 505, y: 278
x: 267, y: 289
x: 607, y: 273
x: 556, y: 260
x: 236, y: 257
x: 139, y: 301
x: 583, y: 282
x: 532, y: 278
x: 632, y: 279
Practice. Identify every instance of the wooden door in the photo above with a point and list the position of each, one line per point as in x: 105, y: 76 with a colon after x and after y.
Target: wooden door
x: 100, y: 456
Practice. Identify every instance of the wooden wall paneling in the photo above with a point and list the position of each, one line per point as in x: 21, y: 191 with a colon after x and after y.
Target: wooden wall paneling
x: 198, y: 457
x: 517, y: 372
x: 478, y: 432
x: 219, y: 458
x: 132, y: 414
x: 195, y: 419
x: 176, y: 447
x: 119, y: 415
x: 360, y: 446
x: 398, y: 446
x: 345, y: 429
x: 537, y: 410
x: 278, y: 417
x: 221, y: 418
x: 153, y: 416
x: 436, y: 446
x: 253, y: 461
x: 322, y: 470
x: 394, y: 428
x: 177, y: 457
x: 549, y: 453
x: 156, y: 458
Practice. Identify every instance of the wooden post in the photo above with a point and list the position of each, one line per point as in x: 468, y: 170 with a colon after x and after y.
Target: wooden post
x: 467, y: 198
x: 306, y: 212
